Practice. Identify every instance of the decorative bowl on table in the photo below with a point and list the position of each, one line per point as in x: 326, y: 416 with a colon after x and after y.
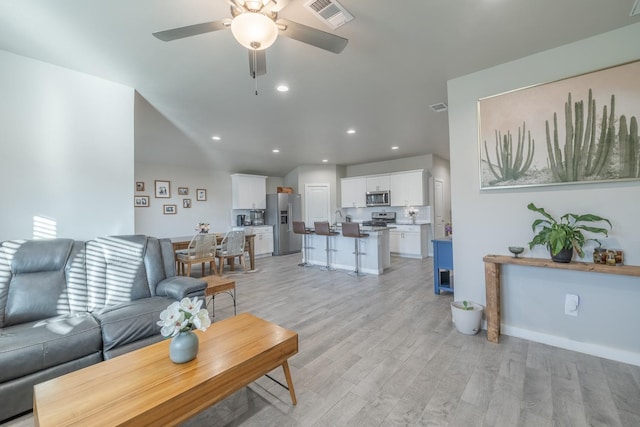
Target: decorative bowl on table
x: 516, y: 250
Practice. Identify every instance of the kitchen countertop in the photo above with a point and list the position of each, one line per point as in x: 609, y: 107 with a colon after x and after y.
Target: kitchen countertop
x: 369, y: 229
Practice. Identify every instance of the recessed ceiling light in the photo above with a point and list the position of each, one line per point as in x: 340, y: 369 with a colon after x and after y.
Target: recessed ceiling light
x: 282, y: 88
x: 395, y: 147
x: 325, y: 160
x: 275, y: 150
x: 351, y: 131
x: 215, y: 138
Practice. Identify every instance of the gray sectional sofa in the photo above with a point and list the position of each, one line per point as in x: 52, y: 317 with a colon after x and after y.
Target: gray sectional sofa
x: 67, y: 304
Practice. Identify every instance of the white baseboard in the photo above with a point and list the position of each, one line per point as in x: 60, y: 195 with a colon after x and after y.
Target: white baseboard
x: 582, y: 347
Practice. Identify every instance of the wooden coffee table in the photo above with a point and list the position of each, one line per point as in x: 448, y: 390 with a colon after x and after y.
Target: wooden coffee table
x: 145, y: 388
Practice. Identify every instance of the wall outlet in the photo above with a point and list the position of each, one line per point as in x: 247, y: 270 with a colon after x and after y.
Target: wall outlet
x: 571, y: 303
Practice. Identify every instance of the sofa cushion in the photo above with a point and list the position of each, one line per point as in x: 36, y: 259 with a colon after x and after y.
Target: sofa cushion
x: 34, y: 280
x: 34, y: 346
x: 115, y: 270
x: 131, y: 321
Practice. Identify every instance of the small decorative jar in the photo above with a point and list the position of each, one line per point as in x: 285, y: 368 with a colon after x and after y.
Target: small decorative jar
x: 599, y: 256
x: 619, y: 257
x: 611, y: 257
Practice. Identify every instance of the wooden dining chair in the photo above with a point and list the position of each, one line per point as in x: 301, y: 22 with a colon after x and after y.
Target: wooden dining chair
x: 232, y: 246
x: 202, y: 249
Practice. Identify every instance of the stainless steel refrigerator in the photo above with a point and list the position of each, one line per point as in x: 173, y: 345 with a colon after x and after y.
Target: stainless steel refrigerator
x: 282, y: 210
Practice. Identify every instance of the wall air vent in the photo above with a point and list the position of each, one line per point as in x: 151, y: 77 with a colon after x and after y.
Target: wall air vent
x: 439, y: 107
x: 635, y: 9
x: 330, y: 12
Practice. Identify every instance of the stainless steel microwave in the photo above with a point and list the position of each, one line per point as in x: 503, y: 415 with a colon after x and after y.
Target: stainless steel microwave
x: 378, y: 198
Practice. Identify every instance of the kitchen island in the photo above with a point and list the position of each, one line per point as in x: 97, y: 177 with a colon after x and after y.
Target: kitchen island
x: 375, y: 257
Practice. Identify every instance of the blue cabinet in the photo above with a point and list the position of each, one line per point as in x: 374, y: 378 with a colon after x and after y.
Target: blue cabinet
x: 442, y: 265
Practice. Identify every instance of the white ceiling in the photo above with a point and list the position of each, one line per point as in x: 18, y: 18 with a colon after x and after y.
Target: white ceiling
x: 399, y: 57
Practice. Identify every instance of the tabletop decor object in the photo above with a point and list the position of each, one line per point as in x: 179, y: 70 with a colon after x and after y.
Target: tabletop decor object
x: 202, y: 227
x: 566, y: 235
x: 178, y: 322
x: 411, y: 213
x: 516, y: 250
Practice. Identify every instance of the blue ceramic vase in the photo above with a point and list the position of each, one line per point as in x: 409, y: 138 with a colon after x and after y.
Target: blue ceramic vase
x: 183, y: 347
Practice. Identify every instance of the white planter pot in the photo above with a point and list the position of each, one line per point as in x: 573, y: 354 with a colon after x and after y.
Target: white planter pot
x: 467, y: 321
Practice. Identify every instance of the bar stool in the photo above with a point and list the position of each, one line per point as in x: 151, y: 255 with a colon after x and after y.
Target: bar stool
x: 322, y: 229
x: 352, y: 229
x: 300, y: 228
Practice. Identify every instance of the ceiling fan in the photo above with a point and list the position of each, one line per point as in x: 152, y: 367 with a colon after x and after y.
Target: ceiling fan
x: 256, y: 26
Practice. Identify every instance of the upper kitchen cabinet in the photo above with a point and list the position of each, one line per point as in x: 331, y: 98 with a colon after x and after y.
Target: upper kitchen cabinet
x: 248, y: 191
x: 354, y: 192
x: 378, y: 183
x: 408, y: 189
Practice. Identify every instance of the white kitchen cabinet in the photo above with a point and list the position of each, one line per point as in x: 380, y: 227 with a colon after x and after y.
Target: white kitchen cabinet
x: 407, y: 188
x: 263, y: 242
x: 409, y: 241
x: 378, y: 183
x: 354, y: 192
x: 248, y: 191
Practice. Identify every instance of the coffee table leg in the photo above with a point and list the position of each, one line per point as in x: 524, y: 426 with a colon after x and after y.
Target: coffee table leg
x: 287, y: 375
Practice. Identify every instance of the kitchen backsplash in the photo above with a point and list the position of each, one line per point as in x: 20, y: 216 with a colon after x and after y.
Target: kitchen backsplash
x: 364, y: 214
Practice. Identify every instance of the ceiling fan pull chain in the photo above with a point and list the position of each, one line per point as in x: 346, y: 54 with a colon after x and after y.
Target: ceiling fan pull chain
x: 255, y: 77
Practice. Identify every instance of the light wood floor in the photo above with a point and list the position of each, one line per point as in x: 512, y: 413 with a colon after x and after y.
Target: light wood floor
x: 382, y: 351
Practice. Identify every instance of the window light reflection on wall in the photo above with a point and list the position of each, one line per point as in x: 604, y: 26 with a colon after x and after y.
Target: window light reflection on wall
x: 44, y: 228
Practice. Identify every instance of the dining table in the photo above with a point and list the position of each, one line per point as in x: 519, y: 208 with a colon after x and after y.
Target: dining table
x: 182, y: 242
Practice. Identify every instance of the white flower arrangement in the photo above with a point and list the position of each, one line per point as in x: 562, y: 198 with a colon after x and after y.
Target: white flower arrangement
x: 202, y: 227
x: 411, y: 212
x: 184, y: 316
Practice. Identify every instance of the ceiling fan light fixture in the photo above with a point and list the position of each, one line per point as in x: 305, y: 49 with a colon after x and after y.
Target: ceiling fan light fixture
x: 254, y: 30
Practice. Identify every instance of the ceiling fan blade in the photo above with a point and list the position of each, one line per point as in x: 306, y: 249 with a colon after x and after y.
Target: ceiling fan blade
x: 312, y: 36
x: 192, y: 30
x: 257, y: 63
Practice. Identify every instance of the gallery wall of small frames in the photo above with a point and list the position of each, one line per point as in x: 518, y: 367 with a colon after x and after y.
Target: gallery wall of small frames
x: 162, y: 190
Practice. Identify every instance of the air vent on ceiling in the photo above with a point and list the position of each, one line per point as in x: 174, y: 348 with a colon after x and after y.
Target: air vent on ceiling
x: 636, y: 8
x: 439, y: 107
x: 330, y: 12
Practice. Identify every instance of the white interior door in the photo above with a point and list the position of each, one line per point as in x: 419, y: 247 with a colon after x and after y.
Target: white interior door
x: 438, y: 208
x: 317, y: 203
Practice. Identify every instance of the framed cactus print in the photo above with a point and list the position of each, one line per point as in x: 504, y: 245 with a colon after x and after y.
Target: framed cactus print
x: 582, y: 129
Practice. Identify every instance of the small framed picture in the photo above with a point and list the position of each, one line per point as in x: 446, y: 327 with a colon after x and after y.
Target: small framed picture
x: 186, y: 203
x: 201, y: 194
x: 183, y: 191
x: 141, y: 201
x: 163, y: 189
x: 169, y: 209
x: 139, y: 186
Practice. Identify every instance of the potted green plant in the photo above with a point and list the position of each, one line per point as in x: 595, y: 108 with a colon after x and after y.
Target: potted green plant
x: 467, y: 316
x: 566, y: 235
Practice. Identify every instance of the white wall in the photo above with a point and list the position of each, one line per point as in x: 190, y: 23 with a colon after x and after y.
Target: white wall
x: 490, y: 221
x: 216, y: 210
x: 387, y: 166
x: 66, y: 151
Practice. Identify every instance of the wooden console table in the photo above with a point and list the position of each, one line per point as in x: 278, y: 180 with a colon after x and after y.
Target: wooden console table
x: 492, y: 265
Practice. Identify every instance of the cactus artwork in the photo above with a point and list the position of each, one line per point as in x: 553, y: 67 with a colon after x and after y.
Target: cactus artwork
x: 511, y: 165
x: 629, y: 148
x: 594, y: 138
x: 584, y: 154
